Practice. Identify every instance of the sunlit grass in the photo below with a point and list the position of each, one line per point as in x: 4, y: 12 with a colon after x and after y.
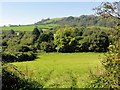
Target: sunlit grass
x: 28, y: 27
x: 61, y: 70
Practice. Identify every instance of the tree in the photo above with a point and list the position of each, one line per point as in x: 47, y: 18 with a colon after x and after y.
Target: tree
x: 99, y: 42
x: 47, y: 46
x: 107, y: 9
x: 110, y: 78
x: 44, y: 37
x: 36, y: 31
x: 36, y: 34
x: 83, y: 44
x: 64, y: 40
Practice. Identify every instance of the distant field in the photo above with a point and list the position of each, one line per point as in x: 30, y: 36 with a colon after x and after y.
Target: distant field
x: 31, y: 27
x: 28, y: 27
x: 61, y: 70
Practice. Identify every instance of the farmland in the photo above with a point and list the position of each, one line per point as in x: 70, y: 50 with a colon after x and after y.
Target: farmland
x: 28, y: 27
x: 53, y: 56
x: 70, y: 49
x: 61, y: 70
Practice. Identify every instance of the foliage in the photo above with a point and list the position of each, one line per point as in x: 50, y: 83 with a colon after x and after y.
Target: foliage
x: 110, y: 77
x: 36, y: 31
x: 64, y: 40
x: 12, y: 81
x: 108, y: 10
x: 44, y: 37
x: 18, y: 56
x: 61, y: 39
x: 70, y: 39
x: 47, y: 47
x: 83, y: 20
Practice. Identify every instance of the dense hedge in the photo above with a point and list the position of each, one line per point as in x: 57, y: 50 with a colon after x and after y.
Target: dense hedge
x: 12, y: 81
x: 18, y: 56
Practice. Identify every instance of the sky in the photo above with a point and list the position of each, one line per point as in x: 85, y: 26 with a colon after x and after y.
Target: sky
x: 31, y: 12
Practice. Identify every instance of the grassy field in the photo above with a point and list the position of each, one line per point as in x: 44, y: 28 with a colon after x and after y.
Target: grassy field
x: 46, y: 26
x: 61, y: 70
x: 28, y: 27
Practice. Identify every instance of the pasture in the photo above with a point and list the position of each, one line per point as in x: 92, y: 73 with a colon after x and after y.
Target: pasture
x: 44, y: 27
x: 61, y: 70
x: 28, y: 27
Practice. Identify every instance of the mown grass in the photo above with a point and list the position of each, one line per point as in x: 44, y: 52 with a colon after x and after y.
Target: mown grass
x: 61, y: 70
x: 28, y: 27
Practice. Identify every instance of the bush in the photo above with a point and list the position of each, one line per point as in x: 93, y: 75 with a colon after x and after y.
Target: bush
x: 7, y: 57
x: 26, y: 56
x: 47, y: 46
x: 12, y: 81
x: 18, y: 56
x: 24, y: 49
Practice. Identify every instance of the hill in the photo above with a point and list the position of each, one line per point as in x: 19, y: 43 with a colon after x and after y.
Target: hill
x: 83, y: 20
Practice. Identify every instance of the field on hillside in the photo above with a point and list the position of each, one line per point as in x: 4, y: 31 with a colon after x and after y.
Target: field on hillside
x: 61, y: 70
x: 44, y: 27
x: 28, y: 27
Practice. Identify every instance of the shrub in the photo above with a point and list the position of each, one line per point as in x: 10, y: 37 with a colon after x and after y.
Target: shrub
x: 18, y: 56
x: 12, y: 81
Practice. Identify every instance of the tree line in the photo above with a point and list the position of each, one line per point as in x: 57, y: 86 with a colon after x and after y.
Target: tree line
x: 65, y: 39
x: 83, y: 20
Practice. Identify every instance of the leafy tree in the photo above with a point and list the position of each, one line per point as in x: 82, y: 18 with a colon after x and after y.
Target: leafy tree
x: 36, y: 31
x: 43, y: 46
x: 44, y: 37
x: 99, y: 42
x: 83, y: 44
x: 64, y: 40
x: 110, y: 78
x: 47, y: 46
x: 27, y: 39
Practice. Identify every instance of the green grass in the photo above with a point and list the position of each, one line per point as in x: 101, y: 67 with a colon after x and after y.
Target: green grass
x: 46, y: 26
x: 28, y: 27
x: 61, y: 70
